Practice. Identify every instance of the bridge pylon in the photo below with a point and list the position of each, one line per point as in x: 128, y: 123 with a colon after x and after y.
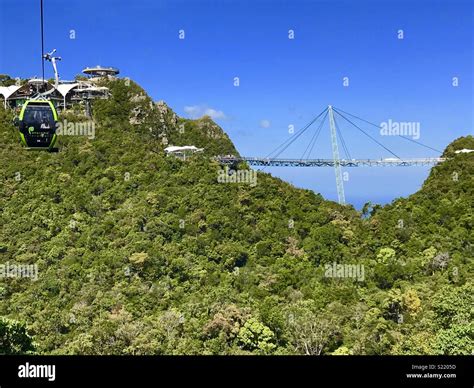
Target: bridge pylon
x: 335, y: 155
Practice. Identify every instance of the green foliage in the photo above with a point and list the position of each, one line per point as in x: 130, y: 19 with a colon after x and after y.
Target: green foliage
x: 6, y: 80
x: 14, y: 338
x: 256, y: 336
x: 138, y: 258
x: 385, y: 255
x: 314, y: 332
x: 454, y: 305
x: 342, y: 351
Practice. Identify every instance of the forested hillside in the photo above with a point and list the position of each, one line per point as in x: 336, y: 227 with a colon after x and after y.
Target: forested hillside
x: 143, y: 253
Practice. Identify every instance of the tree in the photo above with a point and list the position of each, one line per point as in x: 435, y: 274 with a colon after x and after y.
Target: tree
x: 254, y: 335
x: 312, y: 332
x: 6, y: 80
x: 456, y: 340
x: 385, y: 255
x: 14, y: 339
x: 342, y: 351
x: 411, y: 302
x: 139, y: 258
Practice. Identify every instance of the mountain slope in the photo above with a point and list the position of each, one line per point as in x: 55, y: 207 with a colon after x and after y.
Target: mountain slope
x: 140, y: 253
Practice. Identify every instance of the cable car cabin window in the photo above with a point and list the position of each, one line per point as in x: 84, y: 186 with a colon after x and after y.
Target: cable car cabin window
x: 39, y: 117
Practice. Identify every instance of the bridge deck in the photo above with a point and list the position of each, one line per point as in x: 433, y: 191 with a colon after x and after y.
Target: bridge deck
x: 254, y: 161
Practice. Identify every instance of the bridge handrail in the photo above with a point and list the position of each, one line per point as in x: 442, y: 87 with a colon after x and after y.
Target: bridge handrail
x: 328, y: 162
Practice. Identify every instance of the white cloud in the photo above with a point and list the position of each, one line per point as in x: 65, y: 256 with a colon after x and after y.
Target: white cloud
x: 265, y: 123
x: 197, y: 111
x: 192, y: 111
x: 215, y: 114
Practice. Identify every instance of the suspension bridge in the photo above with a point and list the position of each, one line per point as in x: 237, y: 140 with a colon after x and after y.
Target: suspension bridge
x: 274, y: 160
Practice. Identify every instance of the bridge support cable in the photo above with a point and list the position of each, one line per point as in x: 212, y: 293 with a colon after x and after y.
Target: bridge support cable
x: 293, y: 138
x: 343, y: 143
x: 312, y: 142
x: 337, y: 162
x: 366, y: 134
x: 378, y: 126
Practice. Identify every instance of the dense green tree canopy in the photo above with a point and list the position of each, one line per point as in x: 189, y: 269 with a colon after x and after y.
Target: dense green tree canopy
x: 142, y: 253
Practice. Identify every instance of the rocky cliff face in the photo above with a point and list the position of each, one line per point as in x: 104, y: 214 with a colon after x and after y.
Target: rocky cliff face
x: 131, y: 103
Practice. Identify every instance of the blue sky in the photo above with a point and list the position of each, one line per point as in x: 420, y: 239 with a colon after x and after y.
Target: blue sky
x: 282, y: 81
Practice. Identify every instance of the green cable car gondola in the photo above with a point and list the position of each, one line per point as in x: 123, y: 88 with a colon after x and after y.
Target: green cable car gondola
x: 37, y: 124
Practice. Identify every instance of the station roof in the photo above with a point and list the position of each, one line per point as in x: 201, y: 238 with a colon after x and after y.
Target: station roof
x: 64, y: 89
x: 172, y: 149
x: 7, y: 91
x: 99, y: 70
